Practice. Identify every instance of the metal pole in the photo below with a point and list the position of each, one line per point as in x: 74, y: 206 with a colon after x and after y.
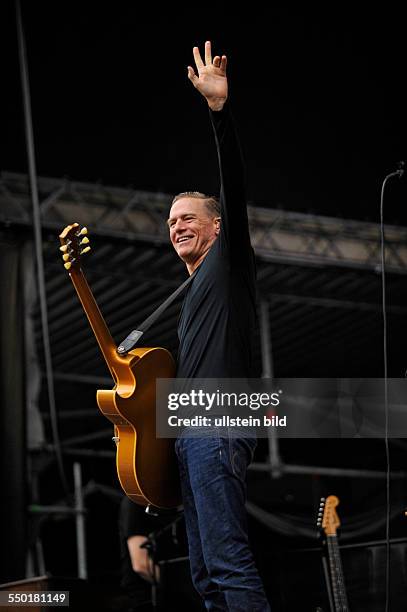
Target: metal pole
x: 266, y: 355
x: 83, y: 452
x: 267, y: 364
x: 80, y: 521
x: 38, y: 239
x: 311, y: 470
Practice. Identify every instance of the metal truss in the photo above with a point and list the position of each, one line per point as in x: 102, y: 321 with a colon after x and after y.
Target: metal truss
x: 132, y: 215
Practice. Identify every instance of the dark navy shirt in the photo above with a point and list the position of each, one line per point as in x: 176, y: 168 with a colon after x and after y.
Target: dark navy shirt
x: 218, y: 318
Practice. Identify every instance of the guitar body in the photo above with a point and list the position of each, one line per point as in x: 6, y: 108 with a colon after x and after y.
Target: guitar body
x: 146, y: 465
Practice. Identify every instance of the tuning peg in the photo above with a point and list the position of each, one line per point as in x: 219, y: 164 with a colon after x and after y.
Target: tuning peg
x: 84, y: 240
x: 65, y: 256
x: 85, y: 250
x: 63, y: 248
x: 83, y: 231
x: 67, y: 265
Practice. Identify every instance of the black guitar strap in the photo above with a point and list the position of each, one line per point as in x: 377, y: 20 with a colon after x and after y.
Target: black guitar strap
x: 131, y: 340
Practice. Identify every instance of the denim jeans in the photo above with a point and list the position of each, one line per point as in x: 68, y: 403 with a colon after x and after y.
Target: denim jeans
x: 213, y: 471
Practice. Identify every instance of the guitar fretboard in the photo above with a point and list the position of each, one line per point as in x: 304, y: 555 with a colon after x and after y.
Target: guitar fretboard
x: 337, y: 580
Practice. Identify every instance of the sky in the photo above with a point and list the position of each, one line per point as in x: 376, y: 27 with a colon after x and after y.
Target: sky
x: 318, y: 98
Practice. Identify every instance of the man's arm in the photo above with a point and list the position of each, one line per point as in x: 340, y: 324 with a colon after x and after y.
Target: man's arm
x: 133, y: 527
x: 211, y: 82
x: 140, y: 559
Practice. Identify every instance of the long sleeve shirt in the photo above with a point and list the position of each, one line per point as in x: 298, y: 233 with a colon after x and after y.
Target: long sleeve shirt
x: 218, y: 318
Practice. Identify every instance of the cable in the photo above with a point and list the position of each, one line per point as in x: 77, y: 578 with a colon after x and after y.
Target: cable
x: 38, y: 245
x: 398, y: 173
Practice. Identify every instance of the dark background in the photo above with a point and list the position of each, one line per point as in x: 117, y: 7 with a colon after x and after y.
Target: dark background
x: 319, y: 98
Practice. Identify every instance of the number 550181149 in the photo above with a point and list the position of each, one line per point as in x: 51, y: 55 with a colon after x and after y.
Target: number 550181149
x: 32, y: 598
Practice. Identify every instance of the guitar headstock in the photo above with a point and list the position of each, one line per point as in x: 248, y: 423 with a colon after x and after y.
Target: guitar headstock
x: 328, y: 519
x: 74, y: 244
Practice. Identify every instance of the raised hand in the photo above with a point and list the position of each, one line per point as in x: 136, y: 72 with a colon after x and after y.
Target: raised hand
x: 211, y: 80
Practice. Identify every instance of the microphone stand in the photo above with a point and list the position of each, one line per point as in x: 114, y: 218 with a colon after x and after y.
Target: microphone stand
x: 151, y: 546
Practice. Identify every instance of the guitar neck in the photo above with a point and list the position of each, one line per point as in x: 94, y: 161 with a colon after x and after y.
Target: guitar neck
x: 337, y: 580
x: 97, y: 322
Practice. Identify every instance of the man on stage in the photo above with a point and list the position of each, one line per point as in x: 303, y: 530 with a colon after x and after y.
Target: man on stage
x: 216, y: 331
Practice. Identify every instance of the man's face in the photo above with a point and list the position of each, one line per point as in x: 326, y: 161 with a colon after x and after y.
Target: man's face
x: 192, y: 229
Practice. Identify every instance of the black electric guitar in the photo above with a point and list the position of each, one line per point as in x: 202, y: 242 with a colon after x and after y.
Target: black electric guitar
x: 329, y: 522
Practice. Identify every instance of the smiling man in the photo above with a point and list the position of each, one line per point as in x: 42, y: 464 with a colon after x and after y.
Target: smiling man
x: 216, y: 332
x: 194, y: 225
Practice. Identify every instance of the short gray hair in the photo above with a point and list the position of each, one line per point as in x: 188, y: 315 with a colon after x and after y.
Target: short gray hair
x: 212, y: 202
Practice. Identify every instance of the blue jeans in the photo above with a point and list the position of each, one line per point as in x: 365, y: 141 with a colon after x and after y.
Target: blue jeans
x: 213, y: 471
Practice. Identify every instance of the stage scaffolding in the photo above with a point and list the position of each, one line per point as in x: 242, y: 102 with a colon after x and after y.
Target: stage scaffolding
x: 134, y: 215
x: 314, y: 273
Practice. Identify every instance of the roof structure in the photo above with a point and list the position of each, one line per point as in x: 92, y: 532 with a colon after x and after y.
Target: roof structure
x: 320, y: 277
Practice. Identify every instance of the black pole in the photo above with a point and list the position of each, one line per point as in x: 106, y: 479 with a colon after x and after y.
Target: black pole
x: 13, y: 462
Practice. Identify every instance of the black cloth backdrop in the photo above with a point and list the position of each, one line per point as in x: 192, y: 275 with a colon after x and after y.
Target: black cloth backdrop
x: 13, y: 523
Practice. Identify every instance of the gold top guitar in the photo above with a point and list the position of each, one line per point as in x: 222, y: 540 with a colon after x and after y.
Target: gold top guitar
x: 146, y: 465
x: 329, y: 522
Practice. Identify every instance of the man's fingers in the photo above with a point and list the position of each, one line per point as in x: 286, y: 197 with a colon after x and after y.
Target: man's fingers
x: 191, y: 74
x: 197, y: 57
x: 216, y: 61
x: 208, y: 53
x: 223, y: 63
